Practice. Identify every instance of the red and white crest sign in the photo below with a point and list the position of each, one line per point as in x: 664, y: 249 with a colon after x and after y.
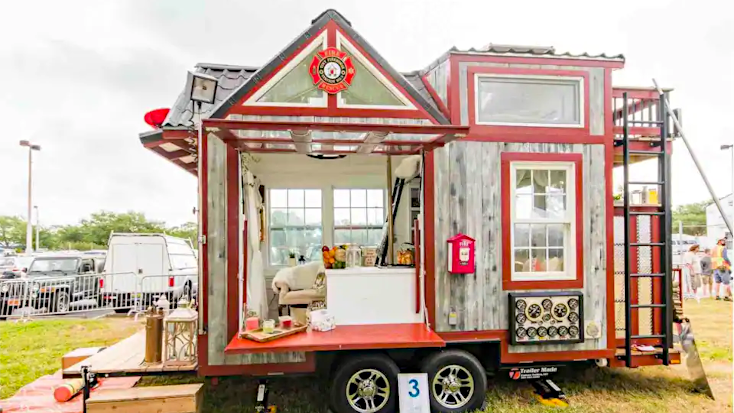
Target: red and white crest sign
x: 332, y: 70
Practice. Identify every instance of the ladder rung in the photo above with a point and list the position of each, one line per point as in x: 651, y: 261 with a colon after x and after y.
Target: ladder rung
x: 648, y: 306
x: 646, y: 183
x: 649, y: 336
x: 647, y: 244
x: 650, y: 153
x: 647, y: 275
x: 647, y: 213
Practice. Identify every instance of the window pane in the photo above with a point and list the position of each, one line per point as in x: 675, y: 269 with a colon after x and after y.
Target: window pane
x: 522, y: 260
x: 556, y: 206
x: 341, y: 198
x: 539, y: 206
x: 555, y: 235
x: 375, y: 216
x: 537, y: 235
x: 313, y: 216
x: 359, y: 216
x: 278, y: 217
x: 522, y: 235
x: 359, y: 236
x: 555, y: 259
x: 376, y: 198
x: 295, y: 198
x: 341, y: 236
x: 527, y: 101
x: 558, y: 180
x: 296, y: 217
x: 313, y: 198
x: 540, y: 181
x: 341, y: 216
x: 278, y: 247
x: 522, y: 181
x: 523, y: 206
x: 278, y: 198
x: 539, y: 257
x: 294, y: 87
x: 366, y: 89
x: 374, y: 236
x: 359, y: 198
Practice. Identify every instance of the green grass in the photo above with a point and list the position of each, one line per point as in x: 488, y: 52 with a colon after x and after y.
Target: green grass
x: 33, y: 349
x: 644, y: 390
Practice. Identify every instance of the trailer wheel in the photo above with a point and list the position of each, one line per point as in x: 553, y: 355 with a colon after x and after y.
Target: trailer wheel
x: 366, y: 383
x: 457, y: 381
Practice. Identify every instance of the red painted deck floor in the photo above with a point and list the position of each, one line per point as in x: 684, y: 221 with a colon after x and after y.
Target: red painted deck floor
x: 359, y: 337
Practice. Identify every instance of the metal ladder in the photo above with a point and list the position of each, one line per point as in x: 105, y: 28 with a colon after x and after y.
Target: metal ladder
x: 383, y: 248
x: 665, y: 231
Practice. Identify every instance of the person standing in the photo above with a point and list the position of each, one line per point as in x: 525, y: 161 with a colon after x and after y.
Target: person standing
x: 707, y: 273
x: 722, y: 271
x: 693, y: 264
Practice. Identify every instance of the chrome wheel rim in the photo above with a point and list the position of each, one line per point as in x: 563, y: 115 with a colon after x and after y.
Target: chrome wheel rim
x: 368, y: 391
x: 453, y: 386
x: 62, y: 303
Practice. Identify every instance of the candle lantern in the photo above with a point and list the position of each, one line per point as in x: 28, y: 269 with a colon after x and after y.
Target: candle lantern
x: 180, y: 335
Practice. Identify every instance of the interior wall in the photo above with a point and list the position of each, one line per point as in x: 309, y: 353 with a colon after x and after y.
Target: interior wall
x: 295, y: 171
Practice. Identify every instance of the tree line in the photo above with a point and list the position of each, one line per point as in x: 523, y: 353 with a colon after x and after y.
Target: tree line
x: 91, y: 233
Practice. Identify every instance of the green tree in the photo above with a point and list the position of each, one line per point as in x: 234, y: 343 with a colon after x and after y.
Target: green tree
x: 12, y: 231
x: 693, y: 217
x: 189, y: 230
x: 100, y: 225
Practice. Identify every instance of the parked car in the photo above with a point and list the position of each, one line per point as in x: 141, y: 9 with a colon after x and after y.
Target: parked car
x: 54, y: 283
x: 147, y: 266
x: 17, y: 269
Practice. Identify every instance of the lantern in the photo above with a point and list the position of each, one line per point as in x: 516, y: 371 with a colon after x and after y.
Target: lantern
x: 180, y: 335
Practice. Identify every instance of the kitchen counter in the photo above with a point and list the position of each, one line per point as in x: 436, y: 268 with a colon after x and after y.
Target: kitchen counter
x: 372, y: 295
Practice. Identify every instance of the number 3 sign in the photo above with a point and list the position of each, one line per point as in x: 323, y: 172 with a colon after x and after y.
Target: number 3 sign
x: 413, y: 390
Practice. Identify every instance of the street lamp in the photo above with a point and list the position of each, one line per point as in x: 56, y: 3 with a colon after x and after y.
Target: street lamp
x: 29, y: 226
x: 38, y: 226
x: 731, y: 196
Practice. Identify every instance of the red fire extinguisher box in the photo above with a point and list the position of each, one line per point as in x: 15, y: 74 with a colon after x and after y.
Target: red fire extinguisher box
x: 461, y: 254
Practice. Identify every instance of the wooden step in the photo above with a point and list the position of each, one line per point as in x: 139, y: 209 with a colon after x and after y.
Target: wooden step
x: 183, y: 398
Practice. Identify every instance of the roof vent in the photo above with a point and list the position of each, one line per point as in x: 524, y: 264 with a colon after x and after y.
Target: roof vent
x: 516, y: 48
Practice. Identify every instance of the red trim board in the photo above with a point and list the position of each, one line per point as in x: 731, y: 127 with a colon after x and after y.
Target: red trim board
x: 506, y: 160
x: 233, y: 239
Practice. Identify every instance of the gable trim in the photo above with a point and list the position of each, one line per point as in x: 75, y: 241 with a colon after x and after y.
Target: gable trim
x: 342, y: 43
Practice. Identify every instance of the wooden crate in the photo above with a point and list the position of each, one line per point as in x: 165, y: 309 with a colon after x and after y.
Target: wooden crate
x: 73, y: 357
x: 184, y: 398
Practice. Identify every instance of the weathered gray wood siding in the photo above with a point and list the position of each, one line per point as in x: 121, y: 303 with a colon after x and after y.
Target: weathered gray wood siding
x: 217, y: 256
x: 596, y: 90
x: 468, y: 200
x: 438, y: 78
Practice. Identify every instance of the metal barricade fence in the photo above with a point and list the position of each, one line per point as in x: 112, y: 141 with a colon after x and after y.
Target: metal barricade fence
x: 92, y: 294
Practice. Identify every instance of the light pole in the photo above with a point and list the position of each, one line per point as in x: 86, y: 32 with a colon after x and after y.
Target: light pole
x: 730, y: 148
x: 38, y: 226
x: 29, y: 226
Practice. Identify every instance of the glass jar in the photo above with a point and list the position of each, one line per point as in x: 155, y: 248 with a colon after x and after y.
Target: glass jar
x: 354, y: 256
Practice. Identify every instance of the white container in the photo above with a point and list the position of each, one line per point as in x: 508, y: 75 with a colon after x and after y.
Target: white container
x: 321, y: 320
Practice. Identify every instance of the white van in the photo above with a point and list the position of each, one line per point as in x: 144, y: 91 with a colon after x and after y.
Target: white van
x: 147, y: 266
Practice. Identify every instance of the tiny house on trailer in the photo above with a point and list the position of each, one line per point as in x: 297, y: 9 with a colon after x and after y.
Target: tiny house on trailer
x: 523, y: 254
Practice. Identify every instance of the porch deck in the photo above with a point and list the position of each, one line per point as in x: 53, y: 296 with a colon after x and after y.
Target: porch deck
x: 124, y: 358
x: 353, y: 337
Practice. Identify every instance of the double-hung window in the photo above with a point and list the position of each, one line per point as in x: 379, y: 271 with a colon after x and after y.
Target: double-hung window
x: 359, y: 215
x: 295, y: 224
x: 543, y: 220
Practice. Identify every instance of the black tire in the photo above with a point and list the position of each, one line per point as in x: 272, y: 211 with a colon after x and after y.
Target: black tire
x: 362, y: 367
x: 455, y: 368
x: 60, y: 302
x: 187, y: 291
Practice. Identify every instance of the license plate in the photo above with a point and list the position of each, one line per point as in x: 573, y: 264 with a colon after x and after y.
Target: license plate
x: 14, y: 302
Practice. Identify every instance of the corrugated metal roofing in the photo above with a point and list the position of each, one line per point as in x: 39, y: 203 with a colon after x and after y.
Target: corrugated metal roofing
x: 550, y: 51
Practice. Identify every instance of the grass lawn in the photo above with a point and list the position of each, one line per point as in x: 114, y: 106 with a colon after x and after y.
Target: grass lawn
x: 649, y: 389
x: 33, y: 349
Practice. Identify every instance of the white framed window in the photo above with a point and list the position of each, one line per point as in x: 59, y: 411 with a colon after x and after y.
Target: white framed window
x: 359, y: 215
x: 295, y: 224
x: 543, y: 220
x: 525, y: 100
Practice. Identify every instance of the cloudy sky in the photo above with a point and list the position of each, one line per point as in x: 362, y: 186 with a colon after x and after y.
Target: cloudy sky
x: 79, y: 77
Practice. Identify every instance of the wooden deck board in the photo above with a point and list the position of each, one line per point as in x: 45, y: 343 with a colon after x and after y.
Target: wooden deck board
x: 126, y: 356
x: 354, y: 337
